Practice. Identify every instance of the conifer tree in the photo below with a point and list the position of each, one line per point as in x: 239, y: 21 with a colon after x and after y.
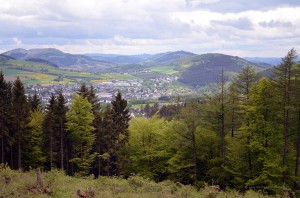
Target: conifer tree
x: 50, y: 137
x: 121, y: 118
x: 60, y: 110
x: 35, y: 102
x: 5, y: 116
x: 19, y: 104
x: 283, y: 85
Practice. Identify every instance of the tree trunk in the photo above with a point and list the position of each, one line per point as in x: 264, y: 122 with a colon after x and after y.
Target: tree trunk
x: 39, y: 178
x: 222, y: 119
x: 19, y: 141
x: 296, y: 185
x: 99, y: 162
x: 194, y: 155
x: 51, y: 154
x: 61, y: 146
x: 2, y: 140
x: 286, y: 129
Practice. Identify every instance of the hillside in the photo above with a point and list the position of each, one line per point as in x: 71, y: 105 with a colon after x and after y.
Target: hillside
x: 206, y: 68
x: 166, y: 58
x: 57, y: 57
x: 274, y: 61
x: 121, y: 59
x: 39, y: 71
x: 191, y: 69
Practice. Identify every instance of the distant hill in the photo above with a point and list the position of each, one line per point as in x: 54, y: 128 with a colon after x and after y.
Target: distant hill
x: 4, y: 58
x: 145, y: 59
x: 121, y: 59
x: 55, y: 57
x: 274, y: 61
x: 206, y: 68
x: 167, y: 58
x: 269, y: 72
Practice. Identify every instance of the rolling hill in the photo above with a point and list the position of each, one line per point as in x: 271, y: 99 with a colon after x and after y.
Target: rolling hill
x: 57, y: 57
x: 121, y: 59
x: 206, y: 68
x: 164, y: 59
x: 191, y: 69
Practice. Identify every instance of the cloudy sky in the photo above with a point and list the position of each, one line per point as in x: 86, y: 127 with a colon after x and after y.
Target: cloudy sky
x: 235, y: 27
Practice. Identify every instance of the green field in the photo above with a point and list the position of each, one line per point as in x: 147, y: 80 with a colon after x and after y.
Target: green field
x: 40, y: 73
x: 164, y: 70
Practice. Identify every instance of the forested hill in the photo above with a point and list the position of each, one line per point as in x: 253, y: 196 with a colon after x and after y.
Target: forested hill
x: 56, y: 57
x: 206, y: 68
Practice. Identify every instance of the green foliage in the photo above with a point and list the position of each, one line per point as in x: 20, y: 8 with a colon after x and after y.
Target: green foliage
x: 148, y: 149
x: 79, y: 120
x: 34, y: 154
x: 57, y: 184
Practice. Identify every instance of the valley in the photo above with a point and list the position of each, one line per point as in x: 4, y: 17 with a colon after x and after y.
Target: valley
x: 140, y: 77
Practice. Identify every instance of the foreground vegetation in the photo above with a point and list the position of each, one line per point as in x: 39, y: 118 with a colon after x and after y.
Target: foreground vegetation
x: 57, y: 184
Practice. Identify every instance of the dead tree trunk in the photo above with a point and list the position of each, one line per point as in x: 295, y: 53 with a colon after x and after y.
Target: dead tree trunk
x: 39, y: 178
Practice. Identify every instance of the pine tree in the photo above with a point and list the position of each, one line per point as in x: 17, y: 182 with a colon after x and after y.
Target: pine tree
x: 283, y: 84
x: 93, y: 99
x: 35, y: 102
x: 5, y: 116
x: 241, y: 88
x: 49, y: 128
x: 83, y: 91
x: 79, y: 125
x: 19, y: 104
x: 121, y: 118
x: 60, y: 110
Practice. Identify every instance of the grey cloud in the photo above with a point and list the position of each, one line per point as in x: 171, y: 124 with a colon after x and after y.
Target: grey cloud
x: 273, y: 24
x: 225, y: 6
x: 241, y: 23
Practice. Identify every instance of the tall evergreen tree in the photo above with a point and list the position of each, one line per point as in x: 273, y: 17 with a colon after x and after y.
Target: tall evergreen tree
x: 83, y: 91
x: 121, y: 118
x: 5, y: 116
x: 19, y: 104
x: 60, y: 110
x: 35, y: 102
x: 50, y: 137
x: 283, y: 84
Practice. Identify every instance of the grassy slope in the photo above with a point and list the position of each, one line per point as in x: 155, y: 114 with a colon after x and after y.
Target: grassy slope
x: 41, y: 73
x: 56, y: 184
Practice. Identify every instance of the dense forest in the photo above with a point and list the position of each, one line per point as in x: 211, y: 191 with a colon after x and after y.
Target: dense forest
x: 244, y: 135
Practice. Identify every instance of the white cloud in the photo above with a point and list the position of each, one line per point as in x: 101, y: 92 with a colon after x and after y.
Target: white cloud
x: 17, y: 41
x: 150, y: 26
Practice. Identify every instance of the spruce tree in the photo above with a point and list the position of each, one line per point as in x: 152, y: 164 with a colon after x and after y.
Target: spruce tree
x: 19, y: 105
x: 5, y: 116
x: 35, y: 102
x: 60, y: 110
x: 121, y: 118
x: 50, y: 137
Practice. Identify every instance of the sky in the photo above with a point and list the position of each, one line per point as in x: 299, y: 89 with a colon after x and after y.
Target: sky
x: 253, y: 28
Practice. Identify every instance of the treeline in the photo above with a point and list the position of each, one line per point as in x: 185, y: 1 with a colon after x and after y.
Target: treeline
x: 80, y: 139
x: 245, y: 135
